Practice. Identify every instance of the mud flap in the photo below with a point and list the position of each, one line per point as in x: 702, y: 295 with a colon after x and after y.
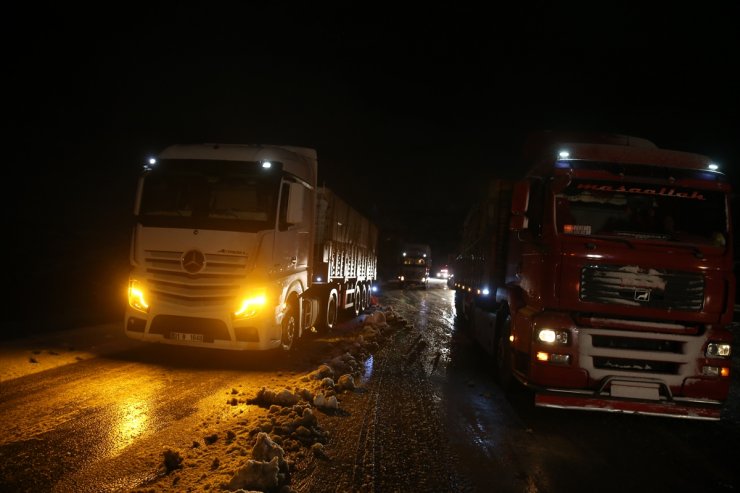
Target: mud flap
x: 309, y: 312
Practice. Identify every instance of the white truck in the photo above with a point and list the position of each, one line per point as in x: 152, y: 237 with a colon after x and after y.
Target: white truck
x: 414, y: 265
x: 237, y: 247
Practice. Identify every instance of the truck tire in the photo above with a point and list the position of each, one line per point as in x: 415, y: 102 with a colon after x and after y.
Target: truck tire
x: 504, y: 375
x: 360, y: 299
x: 328, y: 312
x: 356, y: 300
x: 290, y: 329
x: 466, y: 303
x: 460, y: 307
x: 363, y: 297
x: 329, y: 317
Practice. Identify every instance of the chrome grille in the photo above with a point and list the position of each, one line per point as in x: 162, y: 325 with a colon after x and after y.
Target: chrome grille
x: 650, y: 288
x: 608, y: 352
x: 217, y: 283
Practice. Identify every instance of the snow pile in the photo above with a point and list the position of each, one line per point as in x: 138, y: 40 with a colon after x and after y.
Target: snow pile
x: 265, y: 471
x: 267, y: 397
x: 260, y: 453
x: 324, y: 402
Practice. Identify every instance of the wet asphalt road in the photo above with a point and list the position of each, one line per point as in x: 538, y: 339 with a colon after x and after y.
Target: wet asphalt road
x: 426, y: 416
x: 96, y: 425
x: 434, y: 420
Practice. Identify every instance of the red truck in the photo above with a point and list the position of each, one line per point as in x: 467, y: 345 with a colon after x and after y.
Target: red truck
x: 603, y: 279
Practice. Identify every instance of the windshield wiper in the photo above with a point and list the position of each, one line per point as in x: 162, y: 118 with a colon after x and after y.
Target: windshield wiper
x: 591, y: 246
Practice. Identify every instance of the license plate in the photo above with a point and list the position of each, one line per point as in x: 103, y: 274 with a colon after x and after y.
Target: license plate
x: 636, y: 390
x: 181, y: 336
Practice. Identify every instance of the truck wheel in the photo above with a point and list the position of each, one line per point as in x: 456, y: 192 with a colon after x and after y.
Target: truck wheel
x: 503, y: 355
x: 329, y: 319
x: 356, y: 308
x: 328, y: 312
x: 459, y: 303
x: 290, y: 335
x: 363, y: 297
x: 359, y: 299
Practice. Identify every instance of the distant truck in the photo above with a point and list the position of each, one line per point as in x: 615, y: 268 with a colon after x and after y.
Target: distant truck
x: 414, y: 263
x: 603, y: 280
x: 236, y: 247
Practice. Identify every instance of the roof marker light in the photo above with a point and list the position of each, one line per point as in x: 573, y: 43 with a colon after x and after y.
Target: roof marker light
x: 150, y: 164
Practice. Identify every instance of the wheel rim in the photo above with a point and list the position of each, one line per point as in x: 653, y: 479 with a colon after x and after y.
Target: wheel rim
x: 289, y: 328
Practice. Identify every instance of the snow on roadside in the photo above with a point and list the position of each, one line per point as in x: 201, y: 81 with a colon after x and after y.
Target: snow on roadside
x: 272, y: 430
x: 39, y: 352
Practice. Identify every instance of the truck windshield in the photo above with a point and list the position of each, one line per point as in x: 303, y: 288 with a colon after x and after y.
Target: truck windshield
x: 204, y: 194
x: 642, y: 211
x: 415, y: 261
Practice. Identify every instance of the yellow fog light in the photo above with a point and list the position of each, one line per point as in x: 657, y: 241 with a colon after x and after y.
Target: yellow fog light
x: 250, y: 305
x: 715, y: 371
x: 136, y: 297
x: 554, y: 358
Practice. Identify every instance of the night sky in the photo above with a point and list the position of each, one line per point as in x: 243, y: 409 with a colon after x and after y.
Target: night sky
x: 410, y: 110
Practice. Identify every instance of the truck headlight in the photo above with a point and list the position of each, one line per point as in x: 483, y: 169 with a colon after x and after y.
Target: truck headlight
x: 718, y: 350
x: 137, y: 296
x: 250, y: 305
x: 552, y: 336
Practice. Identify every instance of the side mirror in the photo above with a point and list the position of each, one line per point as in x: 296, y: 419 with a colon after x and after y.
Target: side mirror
x: 559, y: 183
x: 519, y: 205
x: 294, y: 214
x: 518, y: 223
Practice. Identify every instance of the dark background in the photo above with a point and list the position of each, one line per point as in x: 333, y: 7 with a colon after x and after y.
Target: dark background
x: 411, y: 110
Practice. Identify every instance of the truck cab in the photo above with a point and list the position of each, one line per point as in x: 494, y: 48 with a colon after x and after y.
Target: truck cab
x: 603, y: 279
x: 414, y: 265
